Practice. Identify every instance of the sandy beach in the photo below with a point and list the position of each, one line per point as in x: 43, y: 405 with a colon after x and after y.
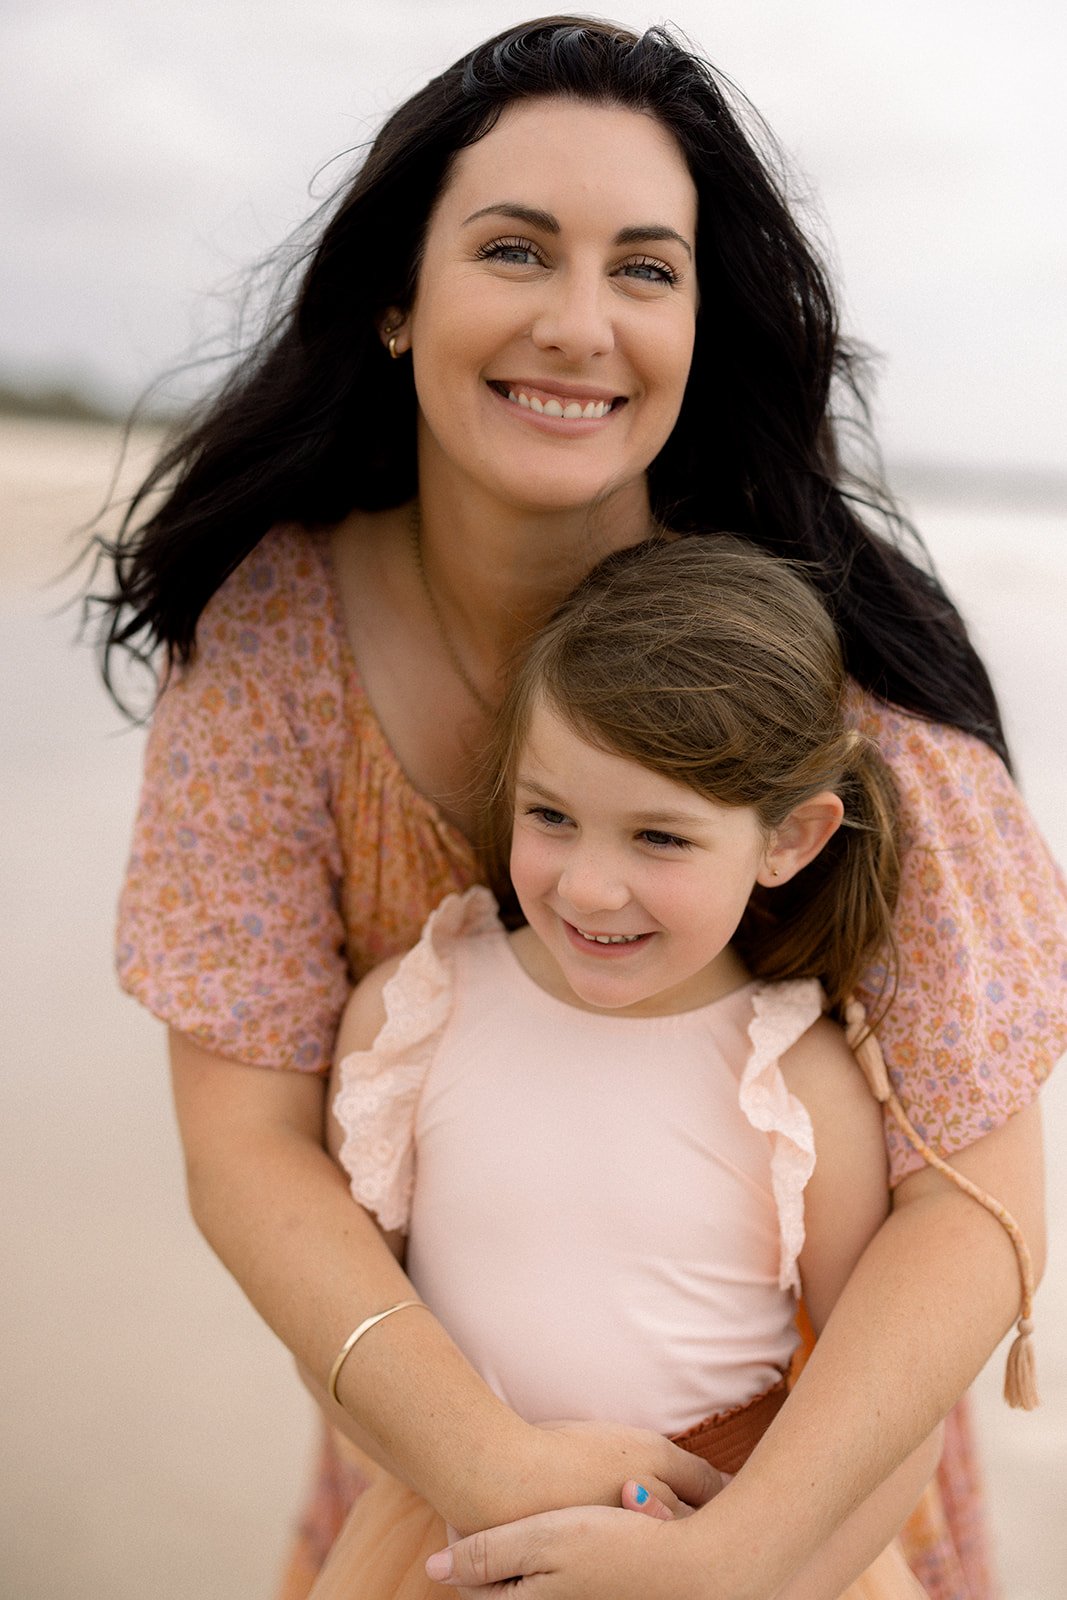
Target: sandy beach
x: 156, y: 1438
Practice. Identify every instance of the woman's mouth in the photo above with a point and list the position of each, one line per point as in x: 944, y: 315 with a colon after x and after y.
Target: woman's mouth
x: 569, y: 407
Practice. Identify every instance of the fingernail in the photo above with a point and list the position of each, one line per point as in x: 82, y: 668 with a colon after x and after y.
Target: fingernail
x: 439, y: 1566
x: 640, y: 1494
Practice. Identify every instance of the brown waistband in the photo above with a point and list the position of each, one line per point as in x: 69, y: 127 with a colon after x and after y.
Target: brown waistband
x: 727, y: 1439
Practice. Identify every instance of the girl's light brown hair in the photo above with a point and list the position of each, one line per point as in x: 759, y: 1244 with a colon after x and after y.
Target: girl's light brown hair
x: 717, y: 666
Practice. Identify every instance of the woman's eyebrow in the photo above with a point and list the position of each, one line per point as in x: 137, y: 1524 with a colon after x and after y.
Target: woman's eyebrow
x: 650, y: 233
x: 653, y: 233
x: 520, y: 213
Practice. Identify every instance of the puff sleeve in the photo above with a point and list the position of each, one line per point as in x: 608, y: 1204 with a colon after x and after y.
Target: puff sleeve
x: 229, y: 922
x: 980, y: 1014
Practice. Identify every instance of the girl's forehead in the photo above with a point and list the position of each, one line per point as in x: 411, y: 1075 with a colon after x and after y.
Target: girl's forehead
x: 560, y: 759
x: 565, y: 769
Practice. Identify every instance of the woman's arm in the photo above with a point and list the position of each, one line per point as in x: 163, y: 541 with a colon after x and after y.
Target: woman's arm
x: 277, y: 1211
x: 930, y: 1298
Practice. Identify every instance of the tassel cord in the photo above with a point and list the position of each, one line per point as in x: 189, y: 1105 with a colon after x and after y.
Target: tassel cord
x: 1020, y: 1382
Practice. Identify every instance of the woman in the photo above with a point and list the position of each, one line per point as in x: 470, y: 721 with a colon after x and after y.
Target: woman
x: 509, y: 349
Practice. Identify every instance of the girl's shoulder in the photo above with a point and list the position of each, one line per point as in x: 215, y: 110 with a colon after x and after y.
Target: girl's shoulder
x: 802, y: 1087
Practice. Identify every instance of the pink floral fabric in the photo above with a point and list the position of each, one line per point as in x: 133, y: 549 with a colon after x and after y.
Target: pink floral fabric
x: 280, y: 852
x: 980, y: 1014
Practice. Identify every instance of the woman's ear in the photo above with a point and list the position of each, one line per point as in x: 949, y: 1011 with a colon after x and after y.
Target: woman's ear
x: 393, y: 332
x: 798, y: 839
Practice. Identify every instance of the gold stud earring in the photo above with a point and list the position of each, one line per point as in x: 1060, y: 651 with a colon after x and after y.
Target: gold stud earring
x: 391, y: 345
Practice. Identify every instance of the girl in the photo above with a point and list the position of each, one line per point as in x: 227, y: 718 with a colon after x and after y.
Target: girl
x: 349, y: 541
x: 619, y: 1139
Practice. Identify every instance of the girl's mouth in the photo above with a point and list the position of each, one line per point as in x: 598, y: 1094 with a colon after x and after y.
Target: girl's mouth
x: 604, y: 944
x: 568, y: 407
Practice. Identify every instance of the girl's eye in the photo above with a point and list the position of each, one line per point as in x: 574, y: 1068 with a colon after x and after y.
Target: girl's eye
x: 511, y: 252
x: 545, y: 814
x: 648, y: 269
x: 663, y: 841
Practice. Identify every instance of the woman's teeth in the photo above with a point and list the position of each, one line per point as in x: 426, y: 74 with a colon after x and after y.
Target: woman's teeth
x: 611, y: 938
x: 559, y: 408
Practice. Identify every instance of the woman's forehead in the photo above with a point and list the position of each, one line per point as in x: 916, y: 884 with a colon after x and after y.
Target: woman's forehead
x: 558, y: 154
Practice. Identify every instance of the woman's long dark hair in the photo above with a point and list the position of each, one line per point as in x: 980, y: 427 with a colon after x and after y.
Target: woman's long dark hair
x: 316, y: 420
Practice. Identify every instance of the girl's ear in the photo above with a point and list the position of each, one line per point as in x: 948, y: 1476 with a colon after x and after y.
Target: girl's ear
x: 393, y: 332
x: 800, y: 837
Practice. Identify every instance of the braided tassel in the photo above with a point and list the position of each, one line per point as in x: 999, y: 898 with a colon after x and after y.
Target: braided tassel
x: 1020, y: 1378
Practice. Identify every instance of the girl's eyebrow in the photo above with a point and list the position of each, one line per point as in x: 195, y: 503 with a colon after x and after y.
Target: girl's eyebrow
x: 636, y: 819
x: 535, y: 789
x: 511, y: 210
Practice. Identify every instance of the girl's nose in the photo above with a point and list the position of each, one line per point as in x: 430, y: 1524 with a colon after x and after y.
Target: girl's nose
x: 575, y: 317
x: 589, y: 883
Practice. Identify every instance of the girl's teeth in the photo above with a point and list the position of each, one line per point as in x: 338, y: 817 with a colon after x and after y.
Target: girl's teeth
x: 611, y: 938
x: 591, y: 411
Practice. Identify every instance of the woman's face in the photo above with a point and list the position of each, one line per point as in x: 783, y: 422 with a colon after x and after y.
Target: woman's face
x: 552, y: 327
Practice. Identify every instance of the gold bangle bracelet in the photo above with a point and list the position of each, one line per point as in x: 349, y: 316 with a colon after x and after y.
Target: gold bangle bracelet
x: 353, y: 1339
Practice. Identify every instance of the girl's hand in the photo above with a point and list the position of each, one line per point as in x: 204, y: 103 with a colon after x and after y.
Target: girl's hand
x: 635, y: 1497
x: 591, y: 1553
x: 588, y: 1463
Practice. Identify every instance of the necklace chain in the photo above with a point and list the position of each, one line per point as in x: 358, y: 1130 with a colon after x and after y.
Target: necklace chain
x: 446, y: 639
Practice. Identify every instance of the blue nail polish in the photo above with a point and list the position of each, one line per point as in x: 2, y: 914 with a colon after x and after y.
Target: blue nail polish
x: 640, y: 1494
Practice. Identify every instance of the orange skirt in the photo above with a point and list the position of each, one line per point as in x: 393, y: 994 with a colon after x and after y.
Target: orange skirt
x: 392, y: 1531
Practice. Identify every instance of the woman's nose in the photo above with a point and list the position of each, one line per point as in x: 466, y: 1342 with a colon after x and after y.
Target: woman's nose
x: 575, y: 316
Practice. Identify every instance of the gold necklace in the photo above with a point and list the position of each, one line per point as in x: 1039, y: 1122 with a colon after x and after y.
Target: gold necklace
x: 450, y: 650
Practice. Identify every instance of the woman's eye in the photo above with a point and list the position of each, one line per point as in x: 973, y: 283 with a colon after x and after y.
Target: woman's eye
x: 647, y: 269
x: 663, y: 841
x: 511, y: 252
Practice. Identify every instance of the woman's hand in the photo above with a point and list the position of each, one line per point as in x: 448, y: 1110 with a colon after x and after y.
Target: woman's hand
x: 591, y: 1553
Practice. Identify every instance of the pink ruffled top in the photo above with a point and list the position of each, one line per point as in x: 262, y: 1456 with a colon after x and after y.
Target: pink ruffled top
x: 281, y: 851
x: 605, y: 1212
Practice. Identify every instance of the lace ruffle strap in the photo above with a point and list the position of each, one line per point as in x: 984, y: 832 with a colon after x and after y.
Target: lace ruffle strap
x: 781, y: 1014
x: 1020, y: 1378
x: 380, y: 1087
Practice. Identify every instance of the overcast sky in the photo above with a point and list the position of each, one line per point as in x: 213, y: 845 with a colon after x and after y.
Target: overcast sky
x: 151, y: 151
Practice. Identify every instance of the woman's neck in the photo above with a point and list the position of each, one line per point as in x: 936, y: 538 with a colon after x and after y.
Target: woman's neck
x: 496, y: 572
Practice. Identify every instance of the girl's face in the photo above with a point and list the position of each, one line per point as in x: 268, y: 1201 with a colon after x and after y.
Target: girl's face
x: 633, y: 883
x: 552, y: 328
